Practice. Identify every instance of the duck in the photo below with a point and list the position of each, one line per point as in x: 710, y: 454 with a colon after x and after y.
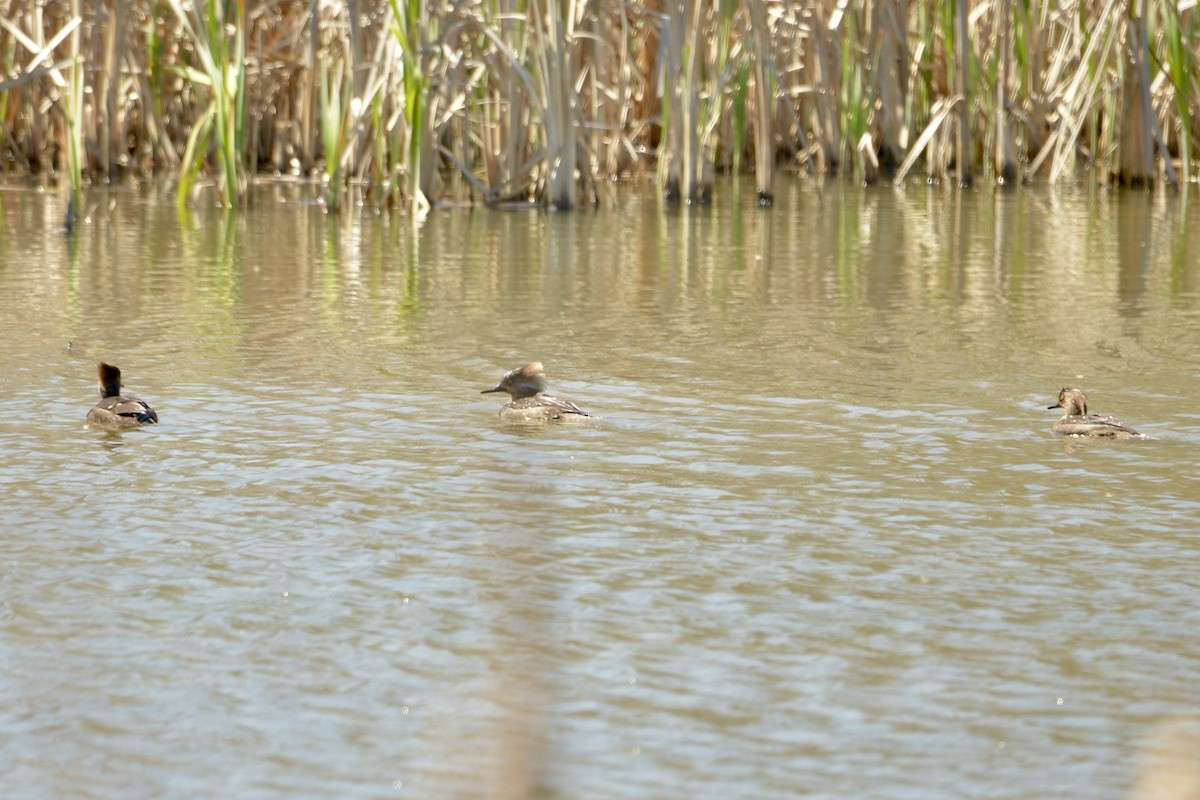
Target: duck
x: 114, y: 409
x: 1076, y: 421
x: 526, y: 386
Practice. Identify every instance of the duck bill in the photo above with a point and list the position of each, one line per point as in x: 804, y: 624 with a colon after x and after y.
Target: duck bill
x: 493, y: 389
x: 1056, y: 405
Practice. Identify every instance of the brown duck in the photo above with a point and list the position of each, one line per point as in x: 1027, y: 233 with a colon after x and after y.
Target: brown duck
x: 1075, y: 420
x: 115, y: 410
x: 527, y: 387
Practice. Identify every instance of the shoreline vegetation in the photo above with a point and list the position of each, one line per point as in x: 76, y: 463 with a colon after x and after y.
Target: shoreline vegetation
x: 502, y: 102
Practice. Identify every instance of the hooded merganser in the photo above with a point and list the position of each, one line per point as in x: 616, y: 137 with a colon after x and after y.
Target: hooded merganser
x: 113, y: 410
x: 1076, y: 421
x: 527, y: 385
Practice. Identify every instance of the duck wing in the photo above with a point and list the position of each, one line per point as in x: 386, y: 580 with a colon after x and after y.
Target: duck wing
x: 567, y: 407
x: 543, y: 406
x: 1095, y: 425
x: 563, y: 407
x: 122, y: 411
x: 1112, y: 426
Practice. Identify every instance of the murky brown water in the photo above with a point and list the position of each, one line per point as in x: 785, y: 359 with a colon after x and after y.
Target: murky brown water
x: 822, y: 543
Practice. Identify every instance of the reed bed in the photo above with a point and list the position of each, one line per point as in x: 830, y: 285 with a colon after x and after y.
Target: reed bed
x: 412, y: 103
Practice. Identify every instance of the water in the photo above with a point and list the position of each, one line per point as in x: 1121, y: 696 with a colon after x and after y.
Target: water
x: 821, y: 543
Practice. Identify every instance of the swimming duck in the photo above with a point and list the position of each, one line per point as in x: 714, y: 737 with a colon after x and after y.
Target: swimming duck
x: 527, y: 385
x: 114, y: 410
x: 1076, y: 421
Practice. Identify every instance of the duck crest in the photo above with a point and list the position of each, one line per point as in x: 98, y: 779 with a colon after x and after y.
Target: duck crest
x: 109, y: 380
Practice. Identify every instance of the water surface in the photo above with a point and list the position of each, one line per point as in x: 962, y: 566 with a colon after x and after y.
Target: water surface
x: 821, y: 544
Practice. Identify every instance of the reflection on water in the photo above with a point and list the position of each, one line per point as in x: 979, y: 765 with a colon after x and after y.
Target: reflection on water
x: 822, y: 542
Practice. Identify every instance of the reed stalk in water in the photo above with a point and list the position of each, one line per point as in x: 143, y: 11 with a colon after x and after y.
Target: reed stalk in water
x: 335, y: 118
x: 409, y: 25
x: 764, y: 101
x: 696, y: 57
x: 553, y: 62
x: 73, y: 116
x: 1139, y: 131
x: 962, y: 158
x: 1004, y: 149
x: 677, y: 149
x: 1180, y: 39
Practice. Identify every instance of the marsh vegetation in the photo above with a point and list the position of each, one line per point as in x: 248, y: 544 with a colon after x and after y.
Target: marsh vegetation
x: 410, y: 103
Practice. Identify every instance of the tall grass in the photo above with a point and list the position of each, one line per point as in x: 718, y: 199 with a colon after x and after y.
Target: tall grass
x: 548, y: 101
x: 1180, y: 35
x: 222, y: 123
x: 411, y: 28
x: 73, y: 121
x: 335, y: 124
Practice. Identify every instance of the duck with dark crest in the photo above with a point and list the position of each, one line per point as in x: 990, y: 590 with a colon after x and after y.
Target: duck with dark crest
x: 1076, y: 421
x: 527, y: 387
x: 114, y: 409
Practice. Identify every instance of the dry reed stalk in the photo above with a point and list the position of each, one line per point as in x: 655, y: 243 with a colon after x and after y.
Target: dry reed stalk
x: 732, y: 129
x: 517, y: 107
x: 511, y: 99
x: 764, y: 102
x: 40, y: 135
x: 716, y: 36
x: 790, y: 35
x: 502, y: 109
x: 553, y: 61
x: 866, y: 159
x: 695, y: 59
x: 305, y: 139
x: 596, y: 61
x: 1034, y: 111
x: 963, y: 46
x: 149, y: 83
x: 611, y: 91
x: 825, y: 87
x: 1136, y: 149
x: 890, y: 84
x: 677, y: 62
x: 1004, y: 148
x: 858, y: 86
x: 106, y: 80
x: 373, y: 106
x: 354, y: 72
x: 1140, y: 134
x: 524, y: 167
x: 942, y: 109
x: 432, y: 117
x: 1081, y: 93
